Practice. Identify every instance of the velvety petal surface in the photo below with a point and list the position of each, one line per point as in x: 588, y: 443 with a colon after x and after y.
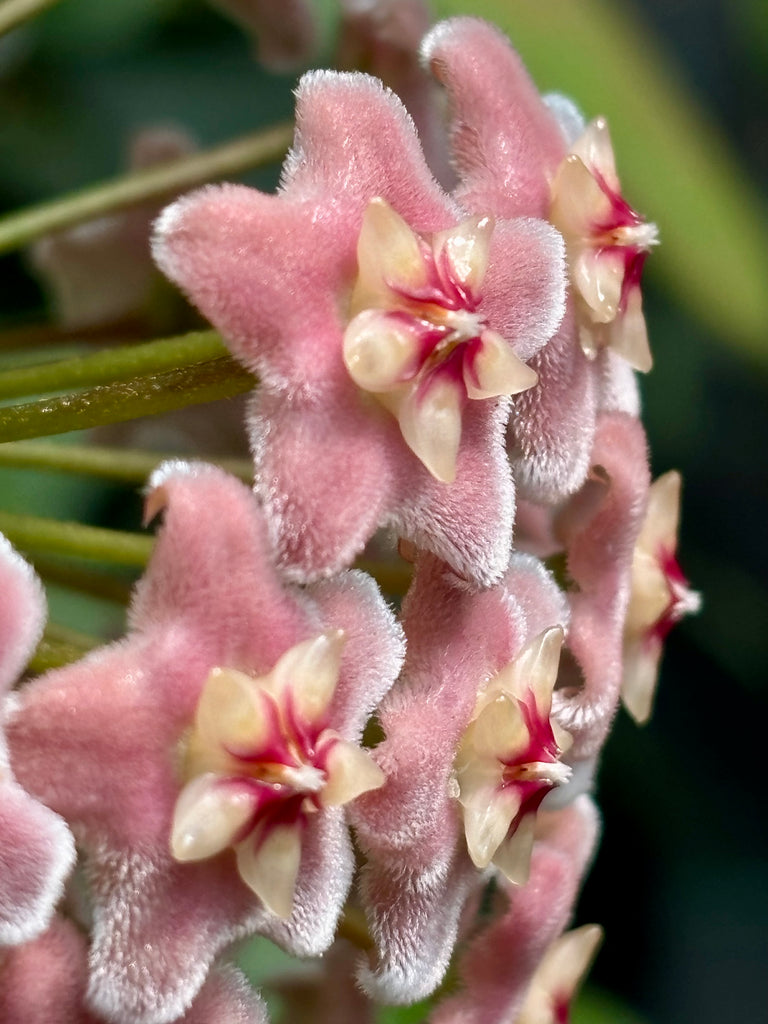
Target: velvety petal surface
x: 418, y: 874
x: 111, y: 762
x: 506, y: 142
x: 498, y: 965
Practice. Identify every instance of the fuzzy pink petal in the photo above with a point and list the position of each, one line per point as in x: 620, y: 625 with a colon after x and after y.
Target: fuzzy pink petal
x: 383, y: 36
x: 43, y: 982
x: 373, y: 649
x: 506, y: 142
x: 419, y: 874
x: 524, y: 287
x: 552, y: 426
x: 286, y: 33
x: 22, y: 614
x: 330, y: 471
x: 600, y: 527
x: 212, y: 546
x: 499, y: 964
x: 210, y: 597
x: 37, y: 853
x: 354, y: 141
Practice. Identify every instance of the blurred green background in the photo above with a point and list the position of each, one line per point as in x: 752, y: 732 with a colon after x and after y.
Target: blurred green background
x: 680, y: 883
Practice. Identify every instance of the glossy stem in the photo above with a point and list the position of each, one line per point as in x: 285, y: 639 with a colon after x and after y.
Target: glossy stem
x: 123, y: 465
x: 111, y: 364
x: 126, y: 400
x: 62, y: 538
x: 153, y: 184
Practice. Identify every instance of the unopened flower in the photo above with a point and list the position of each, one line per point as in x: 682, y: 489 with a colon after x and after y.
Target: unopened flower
x: 117, y: 744
x: 286, y: 33
x: 36, y: 847
x: 416, y: 340
x: 509, y: 758
x: 559, y: 976
x: 659, y: 597
x: 259, y: 760
x: 607, y: 245
x: 286, y: 277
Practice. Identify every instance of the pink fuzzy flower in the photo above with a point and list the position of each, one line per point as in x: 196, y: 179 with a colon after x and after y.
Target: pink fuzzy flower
x: 452, y: 798
x: 559, y: 976
x: 382, y: 324
x: 501, y: 962
x: 36, y: 848
x: 509, y: 144
x: 199, y: 764
x: 44, y: 982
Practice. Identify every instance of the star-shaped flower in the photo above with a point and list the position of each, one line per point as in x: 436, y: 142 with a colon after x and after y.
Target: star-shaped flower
x: 36, y: 847
x: 607, y: 245
x: 361, y: 254
x: 203, y: 729
x: 508, y: 143
x: 509, y: 758
x: 419, y: 873
x: 506, y: 958
x: 659, y: 596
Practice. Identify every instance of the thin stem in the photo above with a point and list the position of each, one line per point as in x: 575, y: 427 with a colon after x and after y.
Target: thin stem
x: 125, y: 465
x: 94, y: 542
x: 112, y: 364
x: 102, y: 585
x: 15, y: 12
x: 151, y: 184
x: 126, y: 400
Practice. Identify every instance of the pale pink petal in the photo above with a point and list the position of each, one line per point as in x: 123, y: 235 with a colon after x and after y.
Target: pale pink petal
x: 499, y: 964
x: 410, y: 829
x: 37, y: 853
x: 44, y: 982
x: 22, y: 614
x: 506, y: 143
x: 100, y: 742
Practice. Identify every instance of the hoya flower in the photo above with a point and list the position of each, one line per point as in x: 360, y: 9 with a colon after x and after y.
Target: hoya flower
x: 415, y: 339
x: 44, y: 982
x: 559, y: 976
x: 607, y: 246
x: 36, y: 847
x: 419, y: 873
x: 659, y: 596
x: 509, y: 758
x: 183, y: 755
x: 508, y: 143
x: 361, y: 255
x: 501, y: 962
x: 260, y: 759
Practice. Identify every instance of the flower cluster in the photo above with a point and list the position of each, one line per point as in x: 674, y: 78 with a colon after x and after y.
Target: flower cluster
x: 454, y: 367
